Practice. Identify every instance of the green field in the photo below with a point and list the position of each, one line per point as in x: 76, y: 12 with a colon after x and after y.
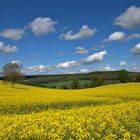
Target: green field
x: 59, y: 81
x: 65, y: 83
x: 109, y: 112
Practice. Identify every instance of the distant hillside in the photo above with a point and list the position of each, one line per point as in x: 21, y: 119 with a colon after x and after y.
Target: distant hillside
x: 58, y: 81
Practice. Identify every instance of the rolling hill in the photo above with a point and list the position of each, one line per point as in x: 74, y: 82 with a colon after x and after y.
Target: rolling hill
x: 58, y: 81
x: 107, y: 112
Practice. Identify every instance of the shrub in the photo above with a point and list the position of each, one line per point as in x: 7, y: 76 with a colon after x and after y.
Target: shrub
x: 75, y: 84
x: 65, y: 87
x: 97, y: 81
x: 138, y: 78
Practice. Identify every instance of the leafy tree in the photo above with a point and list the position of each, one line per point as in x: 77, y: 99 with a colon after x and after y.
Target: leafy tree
x: 97, y: 81
x: 123, y: 76
x: 138, y: 78
x: 75, y: 84
x: 12, y: 73
x: 65, y: 87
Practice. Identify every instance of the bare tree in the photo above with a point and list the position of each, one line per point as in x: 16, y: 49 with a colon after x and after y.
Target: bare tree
x: 12, y: 73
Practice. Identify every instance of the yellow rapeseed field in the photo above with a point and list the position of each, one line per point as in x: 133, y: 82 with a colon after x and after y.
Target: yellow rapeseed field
x: 107, y: 113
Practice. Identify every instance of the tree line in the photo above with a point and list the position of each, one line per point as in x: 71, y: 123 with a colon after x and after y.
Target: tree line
x: 12, y: 73
x: 97, y: 81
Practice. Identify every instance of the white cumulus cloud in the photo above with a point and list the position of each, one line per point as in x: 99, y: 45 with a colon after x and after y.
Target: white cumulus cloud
x: 6, y: 49
x: 42, y: 26
x: 84, y: 70
x: 68, y: 64
x: 106, y: 68
x: 16, y: 62
x: 94, y: 57
x: 38, y: 69
x: 136, y: 49
x: 123, y: 63
x: 81, y: 50
x: 129, y: 19
x: 116, y: 36
x: 84, y: 32
x: 14, y: 34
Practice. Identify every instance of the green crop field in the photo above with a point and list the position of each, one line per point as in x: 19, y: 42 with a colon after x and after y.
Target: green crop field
x: 109, y: 113
x: 66, y: 83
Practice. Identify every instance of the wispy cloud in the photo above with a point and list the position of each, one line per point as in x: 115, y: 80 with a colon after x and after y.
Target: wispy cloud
x: 98, y: 47
x: 61, y: 53
x: 133, y: 36
x: 81, y: 50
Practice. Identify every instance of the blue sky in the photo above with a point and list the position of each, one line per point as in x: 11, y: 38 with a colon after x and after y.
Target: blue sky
x: 50, y: 36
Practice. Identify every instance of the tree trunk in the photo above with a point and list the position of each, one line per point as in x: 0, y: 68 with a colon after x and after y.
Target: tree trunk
x: 13, y: 83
